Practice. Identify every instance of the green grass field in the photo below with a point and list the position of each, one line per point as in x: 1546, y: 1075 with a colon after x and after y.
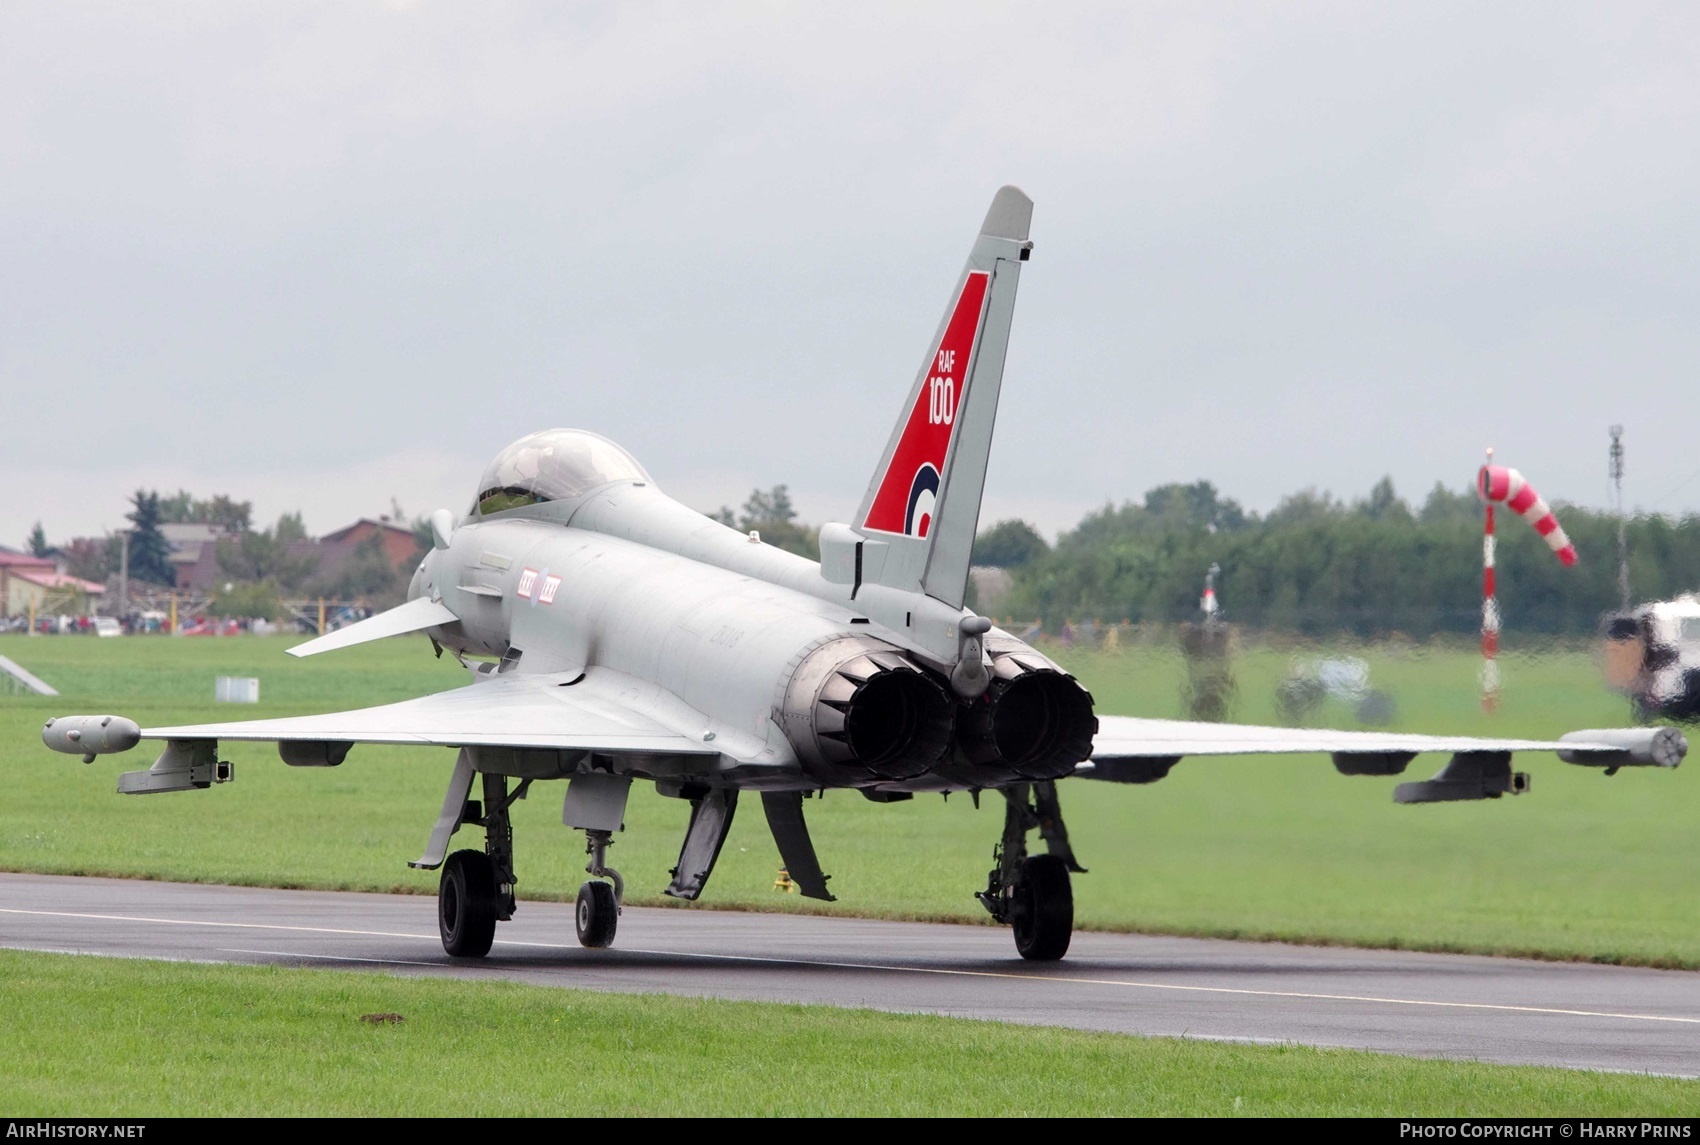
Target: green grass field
x: 1584, y: 867
x: 120, y: 1038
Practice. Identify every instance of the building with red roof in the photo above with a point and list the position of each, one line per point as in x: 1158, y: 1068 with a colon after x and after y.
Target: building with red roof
x: 28, y: 581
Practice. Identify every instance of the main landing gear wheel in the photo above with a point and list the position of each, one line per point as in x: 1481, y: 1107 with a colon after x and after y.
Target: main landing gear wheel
x: 1042, y: 909
x: 597, y: 915
x: 466, y: 904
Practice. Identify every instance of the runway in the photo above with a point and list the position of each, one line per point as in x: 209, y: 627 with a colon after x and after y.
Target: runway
x: 1431, y: 1005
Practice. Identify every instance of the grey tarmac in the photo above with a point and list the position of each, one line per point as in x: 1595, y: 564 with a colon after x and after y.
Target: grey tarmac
x: 1431, y: 1005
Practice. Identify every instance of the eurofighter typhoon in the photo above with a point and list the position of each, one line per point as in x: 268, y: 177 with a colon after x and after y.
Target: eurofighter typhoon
x: 614, y: 635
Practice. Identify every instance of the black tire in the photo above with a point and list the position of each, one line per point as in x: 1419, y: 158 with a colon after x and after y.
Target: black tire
x: 1042, y: 909
x: 466, y: 904
x: 597, y: 914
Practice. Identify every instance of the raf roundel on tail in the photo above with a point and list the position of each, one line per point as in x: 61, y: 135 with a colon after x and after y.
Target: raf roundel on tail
x: 910, y: 485
x: 923, y: 496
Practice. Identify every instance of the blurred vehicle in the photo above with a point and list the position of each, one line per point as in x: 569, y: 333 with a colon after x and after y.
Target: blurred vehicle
x: 1652, y: 655
x: 211, y: 626
x: 107, y: 626
x: 1309, y: 682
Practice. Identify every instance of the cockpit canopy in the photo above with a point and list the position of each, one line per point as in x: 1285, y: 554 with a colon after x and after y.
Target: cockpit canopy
x: 553, y: 465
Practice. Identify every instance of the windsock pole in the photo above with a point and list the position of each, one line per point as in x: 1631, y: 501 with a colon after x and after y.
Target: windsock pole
x: 1490, y: 613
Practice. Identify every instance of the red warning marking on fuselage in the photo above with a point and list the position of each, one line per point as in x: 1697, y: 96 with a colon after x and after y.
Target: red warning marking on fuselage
x: 909, y: 488
x: 550, y: 584
x: 527, y: 578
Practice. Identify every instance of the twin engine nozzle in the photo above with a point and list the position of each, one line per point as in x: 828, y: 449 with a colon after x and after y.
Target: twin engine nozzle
x: 1035, y: 720
x: 860, y: 711
x: 857, y: 709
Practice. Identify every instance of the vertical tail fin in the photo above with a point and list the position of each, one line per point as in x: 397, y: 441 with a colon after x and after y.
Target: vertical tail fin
x: 923, y: 503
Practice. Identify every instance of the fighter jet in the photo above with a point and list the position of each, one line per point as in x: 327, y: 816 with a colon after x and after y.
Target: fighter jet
x: 614, y: 635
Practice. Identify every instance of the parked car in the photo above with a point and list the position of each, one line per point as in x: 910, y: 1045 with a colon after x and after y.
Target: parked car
x: 1652, y: 655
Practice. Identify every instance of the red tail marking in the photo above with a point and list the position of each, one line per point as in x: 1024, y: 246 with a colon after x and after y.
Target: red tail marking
x: 926, y: 435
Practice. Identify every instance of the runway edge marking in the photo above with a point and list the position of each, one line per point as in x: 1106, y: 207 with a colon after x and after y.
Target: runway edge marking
x: 893, y: 969
x: 207, y: 922
x: 1067, y: 979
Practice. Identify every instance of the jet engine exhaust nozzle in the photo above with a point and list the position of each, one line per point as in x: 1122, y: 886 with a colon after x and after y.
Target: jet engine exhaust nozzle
x: 858, y: 709
x: 1034, y: 719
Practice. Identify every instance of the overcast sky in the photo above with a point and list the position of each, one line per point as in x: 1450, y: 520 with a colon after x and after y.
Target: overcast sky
x: 320, y: 255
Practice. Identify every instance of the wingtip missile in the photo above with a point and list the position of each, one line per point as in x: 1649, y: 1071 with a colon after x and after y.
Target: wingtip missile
x: 1613, y: 748
x: 89, y: 736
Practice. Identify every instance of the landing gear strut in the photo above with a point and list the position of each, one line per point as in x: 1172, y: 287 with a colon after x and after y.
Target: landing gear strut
x: 477, y: 888
x: 1033, y: 893
x: 598, y: 912
x: 596, y: 805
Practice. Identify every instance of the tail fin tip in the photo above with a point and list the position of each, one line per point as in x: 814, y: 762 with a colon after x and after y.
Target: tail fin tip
x: 1010, y: 215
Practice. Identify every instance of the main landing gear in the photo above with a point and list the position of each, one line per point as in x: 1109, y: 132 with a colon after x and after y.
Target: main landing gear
x: 1033, y: 893
x: 477, y: 888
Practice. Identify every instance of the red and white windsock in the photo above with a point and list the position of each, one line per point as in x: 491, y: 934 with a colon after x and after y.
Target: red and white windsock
x: 1497, y: 483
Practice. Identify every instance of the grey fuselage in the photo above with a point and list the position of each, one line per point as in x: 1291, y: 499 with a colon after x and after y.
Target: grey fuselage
x: 697, y: 625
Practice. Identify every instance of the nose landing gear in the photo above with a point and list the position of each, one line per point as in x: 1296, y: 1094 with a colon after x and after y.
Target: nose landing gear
x: 598, y: 912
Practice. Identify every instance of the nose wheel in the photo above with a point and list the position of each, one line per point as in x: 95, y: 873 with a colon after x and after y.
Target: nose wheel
x: 598, y: 911
x: 598, y: 914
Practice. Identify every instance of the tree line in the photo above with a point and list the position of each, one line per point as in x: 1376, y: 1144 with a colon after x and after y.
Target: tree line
x: 1314, y: 564
x: 1320, y: 566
